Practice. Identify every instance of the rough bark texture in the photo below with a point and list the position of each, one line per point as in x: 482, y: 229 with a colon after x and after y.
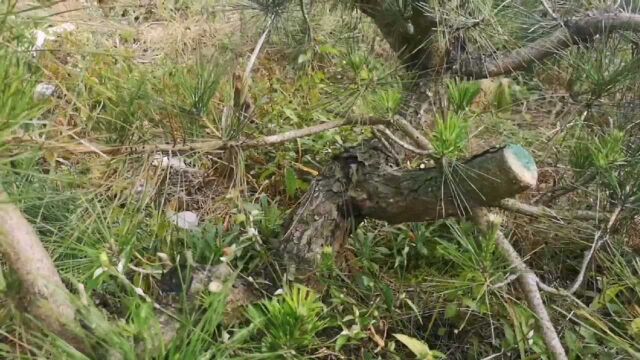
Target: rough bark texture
x: 408, y: 37
x: 411, y: 37
x: 44, y: 295
x: 365, y: 183
x: 573, y: 32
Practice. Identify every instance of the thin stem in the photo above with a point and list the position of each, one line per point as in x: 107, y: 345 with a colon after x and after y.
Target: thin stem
x: 307, y: 22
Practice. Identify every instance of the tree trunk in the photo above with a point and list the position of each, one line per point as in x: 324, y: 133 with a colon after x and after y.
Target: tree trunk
x: 409, y: 35
x: 367, y: 182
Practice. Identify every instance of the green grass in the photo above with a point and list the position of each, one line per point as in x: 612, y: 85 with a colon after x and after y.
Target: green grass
x: 411, y: 290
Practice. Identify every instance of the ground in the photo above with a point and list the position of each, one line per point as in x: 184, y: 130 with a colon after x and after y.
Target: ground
x: 133, y: 73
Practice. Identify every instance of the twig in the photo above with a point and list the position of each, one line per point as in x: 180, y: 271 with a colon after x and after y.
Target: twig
x: 528, y: 282
x: 415, y: 136
x: 505, y: 282
x: 597, y: 242
x: 256, y: 51
x: 388, y: 147
x: 398, y: 141
x: 305, y: 17
x: 541, y: 211
x: 547, y: 6
x: 563, y: 190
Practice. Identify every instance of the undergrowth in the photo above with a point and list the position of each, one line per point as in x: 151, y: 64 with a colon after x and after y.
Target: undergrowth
x: 415, y: 290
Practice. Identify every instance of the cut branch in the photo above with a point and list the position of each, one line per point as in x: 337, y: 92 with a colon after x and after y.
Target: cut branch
x: 362, y: 183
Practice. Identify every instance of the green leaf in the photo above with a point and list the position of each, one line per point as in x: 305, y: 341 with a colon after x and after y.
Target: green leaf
x: 419, y: 348
x: 290, y: 182
x: 387, y: 293
x: 451, y: 310
x: 290, y: 114
x: 342, y: 340
x: 635, y: 328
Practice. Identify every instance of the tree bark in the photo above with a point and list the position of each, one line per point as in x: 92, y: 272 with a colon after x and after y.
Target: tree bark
x: 411, y: 36
x: 407, y: 34
x: 364, y: 183
x: 573, y: 32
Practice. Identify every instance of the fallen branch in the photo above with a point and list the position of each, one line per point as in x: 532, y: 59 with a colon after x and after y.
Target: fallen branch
x: 599, y: 239
x: 400, y: 142
x: 205, y: 146
x: 413, y: 134
x: 528, y: 279
x: 361, y: 184
x: 563, y: 190
x: 571, y: 33
x: 528, y: 282
x: 541, y: 211
x: 45, y: 296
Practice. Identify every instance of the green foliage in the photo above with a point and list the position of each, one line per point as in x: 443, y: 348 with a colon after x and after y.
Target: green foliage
x: 608, y: 150
x: 450, y: 138
x: 461, y: 94
x: 418, y: 348
x: 386, y: 102
x: 289, y: 322
x: 442, y: 284
x: 290, y: 182
x: 503, y: 96
x: 607, y: 71
x: 198, y: 338
x: 18, y: 79
x: 200, y: 83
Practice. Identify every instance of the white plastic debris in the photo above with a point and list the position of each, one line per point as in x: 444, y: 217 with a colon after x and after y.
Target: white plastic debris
x: 49, y: 34
x: 41, y: 38
x: 43, y: 91
x: 174, y: 162
x: 62, y: 28
x: 185, y: 219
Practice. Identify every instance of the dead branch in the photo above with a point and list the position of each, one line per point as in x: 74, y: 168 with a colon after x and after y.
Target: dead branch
x: 572, y: 32
x: 256, y: 50
x: 400, y: 142
x: 205, y: 146
x: 528, y: 282
x: 562, y: 190
x: 600, y: 238
x: 541, y: 211
x: 45, y: 296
